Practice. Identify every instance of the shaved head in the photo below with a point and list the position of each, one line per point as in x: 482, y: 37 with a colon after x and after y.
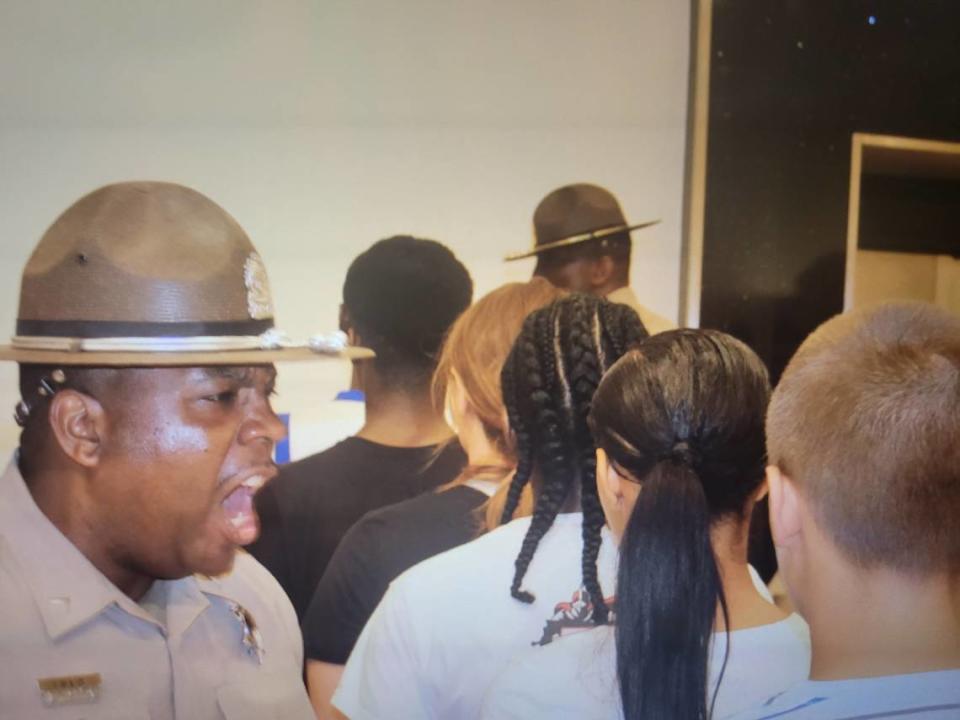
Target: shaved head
x: 866, y: 422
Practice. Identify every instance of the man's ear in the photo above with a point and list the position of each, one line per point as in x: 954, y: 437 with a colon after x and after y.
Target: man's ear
x: 346, y: 324
x: 785, y: 508
x: 761, y: 492
x: 79, y: 424
x: 601, y: 271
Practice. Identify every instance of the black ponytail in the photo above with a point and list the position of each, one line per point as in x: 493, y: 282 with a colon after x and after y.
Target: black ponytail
x: 683, y: 416
x: 668, y: 591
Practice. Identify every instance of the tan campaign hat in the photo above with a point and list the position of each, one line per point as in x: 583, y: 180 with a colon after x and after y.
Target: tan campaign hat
x: 575, y: 214
x: 151, y: 274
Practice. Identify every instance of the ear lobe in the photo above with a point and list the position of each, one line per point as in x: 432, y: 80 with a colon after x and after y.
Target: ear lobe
x: 785, y: 511
x: 78, y: 423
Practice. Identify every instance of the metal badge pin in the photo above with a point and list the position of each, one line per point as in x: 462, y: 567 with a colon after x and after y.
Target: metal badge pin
x: 21, y: 412
x: 47, y: 388
x: 252, y: 640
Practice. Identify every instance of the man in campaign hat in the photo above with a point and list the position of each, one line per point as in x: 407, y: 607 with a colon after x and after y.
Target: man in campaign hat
x: 582, y: 243
x: 145, y: 340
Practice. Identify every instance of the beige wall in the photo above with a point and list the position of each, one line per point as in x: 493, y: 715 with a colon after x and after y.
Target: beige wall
x: 883, y: 276
x: 323, y: 126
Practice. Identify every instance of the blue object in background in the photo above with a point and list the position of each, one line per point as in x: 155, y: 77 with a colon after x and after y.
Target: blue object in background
x: 281, y: 453
x: 354, y: 395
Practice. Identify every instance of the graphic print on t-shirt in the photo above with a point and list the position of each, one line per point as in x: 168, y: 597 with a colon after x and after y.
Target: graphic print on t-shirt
x: 571, y: 616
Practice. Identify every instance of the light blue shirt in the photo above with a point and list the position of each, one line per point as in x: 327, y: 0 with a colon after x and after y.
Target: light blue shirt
x: 925, y: 696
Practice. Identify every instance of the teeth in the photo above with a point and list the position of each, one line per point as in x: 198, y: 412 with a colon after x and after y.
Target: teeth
x: 254, y: 483
x: 237, y: 520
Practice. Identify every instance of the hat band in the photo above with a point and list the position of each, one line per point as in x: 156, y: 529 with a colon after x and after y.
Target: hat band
x: 600, y: 234
x: 124, y: 329
x: 122, y: 336
x: 269, y: 340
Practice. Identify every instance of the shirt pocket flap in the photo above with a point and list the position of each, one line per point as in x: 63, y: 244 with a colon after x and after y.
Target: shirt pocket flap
x: 268, y: 697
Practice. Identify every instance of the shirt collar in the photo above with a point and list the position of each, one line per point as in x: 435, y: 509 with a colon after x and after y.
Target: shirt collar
x: 66, y: 587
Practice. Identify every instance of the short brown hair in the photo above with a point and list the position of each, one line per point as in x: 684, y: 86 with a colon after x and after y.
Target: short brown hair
x: 866, y: 421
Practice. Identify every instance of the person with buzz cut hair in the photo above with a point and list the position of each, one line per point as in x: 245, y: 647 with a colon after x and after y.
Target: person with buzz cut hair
x: 400, y: 297
x: 863, y: 437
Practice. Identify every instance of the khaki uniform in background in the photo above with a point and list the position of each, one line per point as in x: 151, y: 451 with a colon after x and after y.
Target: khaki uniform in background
x: 651, y: 321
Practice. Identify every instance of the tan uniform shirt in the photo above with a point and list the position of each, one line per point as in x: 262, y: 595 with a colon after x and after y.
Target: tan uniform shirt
x: 180, y: 653
x: 651, y: 321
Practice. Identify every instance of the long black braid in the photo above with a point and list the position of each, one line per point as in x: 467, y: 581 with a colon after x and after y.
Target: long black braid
x: 548, y: 382
x: 585, y: 372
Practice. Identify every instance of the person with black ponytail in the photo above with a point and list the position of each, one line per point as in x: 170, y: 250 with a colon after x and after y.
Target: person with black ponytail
x: 447, y: 626
x: 678, y: 425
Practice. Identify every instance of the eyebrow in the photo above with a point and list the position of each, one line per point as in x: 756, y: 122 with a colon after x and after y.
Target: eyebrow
x: 243, y: 374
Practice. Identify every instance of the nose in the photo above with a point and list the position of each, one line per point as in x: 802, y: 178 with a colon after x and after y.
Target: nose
x: 262, y: 424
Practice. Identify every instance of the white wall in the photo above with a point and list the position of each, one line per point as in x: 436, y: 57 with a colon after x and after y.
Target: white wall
x: 324, y: 126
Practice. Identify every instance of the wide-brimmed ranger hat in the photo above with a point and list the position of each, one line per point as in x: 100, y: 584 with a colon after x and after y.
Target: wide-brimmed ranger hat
x: 151, y: 274
x: 576, y: 214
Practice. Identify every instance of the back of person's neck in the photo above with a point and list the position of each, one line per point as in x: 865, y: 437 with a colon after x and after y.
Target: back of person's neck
x: 402, y: 418
x: 879, y: 622
x: 572, y: 502
x: 481, y: 451
x: 746, y: 608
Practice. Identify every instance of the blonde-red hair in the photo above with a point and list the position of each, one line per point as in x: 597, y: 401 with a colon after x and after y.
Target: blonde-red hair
x: 475, y: 349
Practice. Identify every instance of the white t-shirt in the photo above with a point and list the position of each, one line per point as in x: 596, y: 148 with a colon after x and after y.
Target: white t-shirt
x: 926, y: 696
x: 576, y: 676
x: 448, y: 626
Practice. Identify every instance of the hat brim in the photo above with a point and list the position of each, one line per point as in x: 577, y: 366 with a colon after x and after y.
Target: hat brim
x: 174, y: 359
x: 577, y: 239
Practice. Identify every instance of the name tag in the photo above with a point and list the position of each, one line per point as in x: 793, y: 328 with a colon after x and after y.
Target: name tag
x: 70, y: 689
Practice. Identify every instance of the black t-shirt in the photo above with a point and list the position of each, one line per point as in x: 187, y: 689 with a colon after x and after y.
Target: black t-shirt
x: 375, y: 551
x: 308, y: 508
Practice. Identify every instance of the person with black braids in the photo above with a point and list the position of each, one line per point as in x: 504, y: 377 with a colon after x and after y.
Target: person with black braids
x: 447, y: 626
x: 678, y: 425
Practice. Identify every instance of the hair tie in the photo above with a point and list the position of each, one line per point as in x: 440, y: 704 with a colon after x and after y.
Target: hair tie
x: 681, y: 454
